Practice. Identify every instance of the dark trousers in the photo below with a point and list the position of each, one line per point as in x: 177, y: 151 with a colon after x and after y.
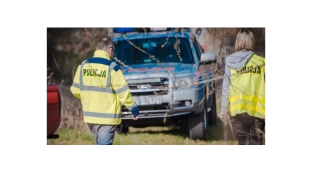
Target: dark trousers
x: 249, y: 129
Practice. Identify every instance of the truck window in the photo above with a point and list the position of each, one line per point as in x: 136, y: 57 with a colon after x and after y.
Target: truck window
x: 130, y: 55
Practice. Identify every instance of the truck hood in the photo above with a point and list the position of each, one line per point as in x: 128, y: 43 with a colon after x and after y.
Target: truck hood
x: 176, y: 69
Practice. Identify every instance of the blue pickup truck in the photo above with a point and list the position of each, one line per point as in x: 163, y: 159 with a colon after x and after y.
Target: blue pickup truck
x: 168, y: 75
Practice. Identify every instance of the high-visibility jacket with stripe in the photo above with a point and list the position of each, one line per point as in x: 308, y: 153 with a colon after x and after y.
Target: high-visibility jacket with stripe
x: 247, y: 90
x: 102, y: 88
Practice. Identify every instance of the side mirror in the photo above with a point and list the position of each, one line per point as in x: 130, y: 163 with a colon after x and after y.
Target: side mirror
x: 208, y: 58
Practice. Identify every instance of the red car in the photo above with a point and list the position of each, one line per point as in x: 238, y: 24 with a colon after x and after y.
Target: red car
x: 53, y: 110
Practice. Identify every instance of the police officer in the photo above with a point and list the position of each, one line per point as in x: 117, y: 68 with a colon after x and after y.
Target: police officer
x: 243, y: 90
x: 101, y: 86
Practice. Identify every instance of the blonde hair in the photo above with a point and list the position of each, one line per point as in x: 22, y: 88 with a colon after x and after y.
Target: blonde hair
x: 245, y: 40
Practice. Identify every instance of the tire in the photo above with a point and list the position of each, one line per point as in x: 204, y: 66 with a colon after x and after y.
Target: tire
x: 212, y: 114
x: 198, y: 125
x: 53, y: 136
x: 122, y: 129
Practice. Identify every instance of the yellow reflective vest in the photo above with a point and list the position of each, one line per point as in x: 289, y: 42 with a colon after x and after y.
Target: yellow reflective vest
x: 102, y: 88
x: 247, y: 90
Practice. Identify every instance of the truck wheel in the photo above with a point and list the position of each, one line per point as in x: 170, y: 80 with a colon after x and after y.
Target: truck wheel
x: 212, y: 114
x: 198, y: 125
x: 122, y: 129
x: 53, y: 136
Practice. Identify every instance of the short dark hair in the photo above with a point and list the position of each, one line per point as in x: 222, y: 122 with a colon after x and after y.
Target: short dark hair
x: 105, y: 43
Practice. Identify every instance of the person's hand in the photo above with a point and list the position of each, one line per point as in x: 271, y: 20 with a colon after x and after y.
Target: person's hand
x: 223, y: 116
x: 135, y: 113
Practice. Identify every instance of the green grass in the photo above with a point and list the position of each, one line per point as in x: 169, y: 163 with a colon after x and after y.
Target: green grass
x: 144, y: 136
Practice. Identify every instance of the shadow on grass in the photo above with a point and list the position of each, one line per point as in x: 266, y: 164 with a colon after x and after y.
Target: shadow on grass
x: 215, y: 133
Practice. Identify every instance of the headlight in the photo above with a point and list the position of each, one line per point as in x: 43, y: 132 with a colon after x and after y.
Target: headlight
x: 185, y: 81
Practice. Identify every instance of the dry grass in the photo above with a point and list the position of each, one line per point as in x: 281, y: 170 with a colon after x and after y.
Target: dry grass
x: 143, y: 136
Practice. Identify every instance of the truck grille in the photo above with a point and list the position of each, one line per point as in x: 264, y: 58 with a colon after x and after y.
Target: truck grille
x: 153, y: 86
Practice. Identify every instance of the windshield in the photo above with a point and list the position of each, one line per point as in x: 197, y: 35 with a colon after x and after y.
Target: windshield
x: 175, y: 50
